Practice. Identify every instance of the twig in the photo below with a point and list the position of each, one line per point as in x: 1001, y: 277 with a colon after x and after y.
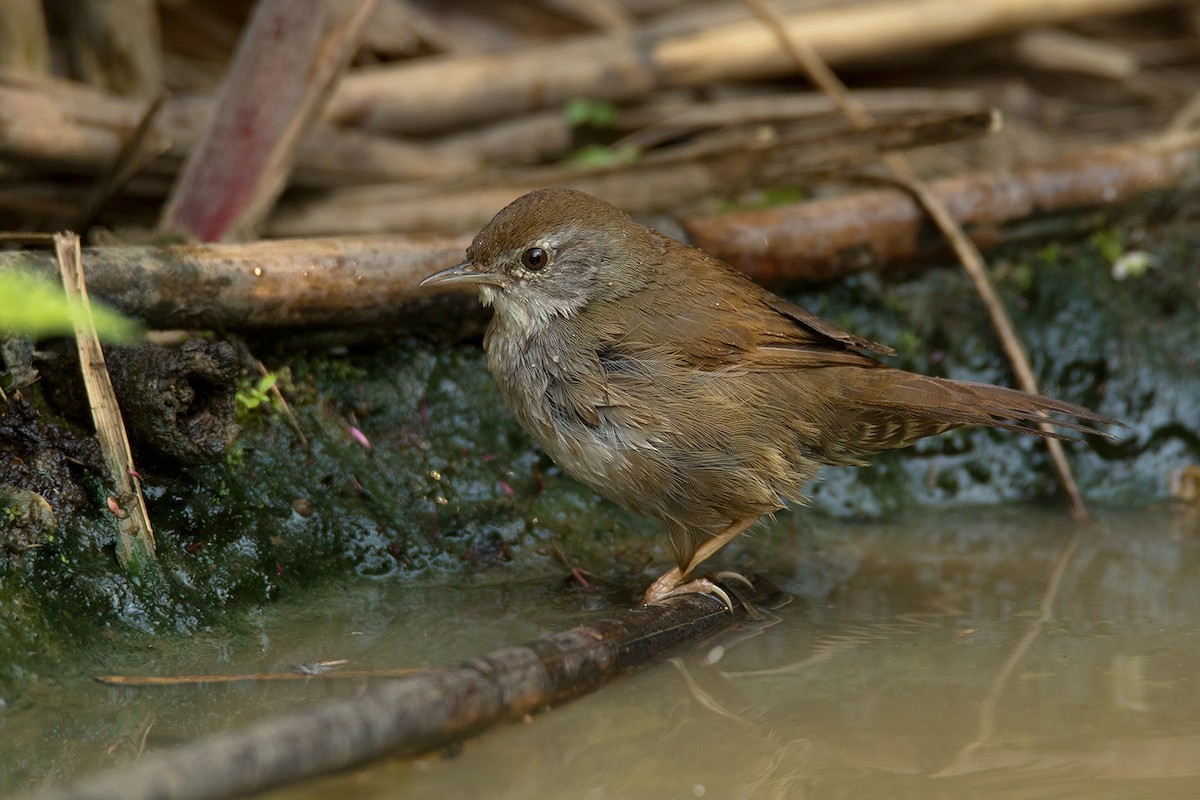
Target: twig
x: 299, y: 675
x: 820, y: 73
x: 1063, y: 51
x: 135, y: 537
x: 263, y: 372
x: 718, y: 161
x: 418, y: 713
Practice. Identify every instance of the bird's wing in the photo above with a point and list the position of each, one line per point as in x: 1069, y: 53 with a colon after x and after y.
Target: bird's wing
x: 715, y: 318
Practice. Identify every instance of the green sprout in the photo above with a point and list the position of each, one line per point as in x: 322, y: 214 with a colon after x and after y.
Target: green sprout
x: 255, y: 396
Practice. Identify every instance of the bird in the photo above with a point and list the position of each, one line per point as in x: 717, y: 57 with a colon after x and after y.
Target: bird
x: 672, y: 384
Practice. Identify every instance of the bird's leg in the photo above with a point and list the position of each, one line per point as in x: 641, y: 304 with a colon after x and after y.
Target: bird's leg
x: 675, y: 581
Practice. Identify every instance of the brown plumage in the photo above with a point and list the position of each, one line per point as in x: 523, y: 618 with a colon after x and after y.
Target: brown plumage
x: 673, y: 385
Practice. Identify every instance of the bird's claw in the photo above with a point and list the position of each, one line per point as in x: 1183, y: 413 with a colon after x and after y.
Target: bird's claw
x: 671, y: 585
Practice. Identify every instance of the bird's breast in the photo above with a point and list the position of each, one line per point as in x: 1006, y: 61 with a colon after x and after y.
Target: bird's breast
x: 555, y: 387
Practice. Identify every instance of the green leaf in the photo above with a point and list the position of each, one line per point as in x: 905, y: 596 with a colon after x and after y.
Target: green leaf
x: 593, y: 113
x: 598, y: 155
x: 33, y: 307
x: 253, y: 396
x: 266, y: 382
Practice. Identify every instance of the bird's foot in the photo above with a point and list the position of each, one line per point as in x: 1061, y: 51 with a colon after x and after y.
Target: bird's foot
x: 672, y: 584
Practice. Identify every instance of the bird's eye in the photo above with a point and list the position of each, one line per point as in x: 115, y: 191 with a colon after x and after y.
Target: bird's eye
x: 535, y: 258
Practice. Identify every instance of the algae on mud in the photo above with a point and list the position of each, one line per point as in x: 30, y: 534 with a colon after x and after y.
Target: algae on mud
x: 451, y: 489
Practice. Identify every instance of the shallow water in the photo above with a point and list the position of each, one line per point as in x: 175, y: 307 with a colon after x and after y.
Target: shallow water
x: 989, y: 654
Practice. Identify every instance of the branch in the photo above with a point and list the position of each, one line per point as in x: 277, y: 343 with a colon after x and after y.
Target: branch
x: 419, y: 713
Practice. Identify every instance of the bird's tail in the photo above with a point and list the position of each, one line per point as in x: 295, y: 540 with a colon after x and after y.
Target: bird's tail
x: 892, y: 408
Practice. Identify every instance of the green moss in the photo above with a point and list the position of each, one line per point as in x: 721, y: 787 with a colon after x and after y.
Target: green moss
x: 1125, y: 348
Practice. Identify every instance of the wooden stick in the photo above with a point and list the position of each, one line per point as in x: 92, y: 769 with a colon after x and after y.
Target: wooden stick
x: 858, y: 32
x: 255, y: 677
x: 434, y: 94
x: 63, y: 123
x: 1063, y: 51
x: 423, y: 712
x: 289, y: 58
x: 885, y: 229
x: 328, y: 283
x: 135, y: 537
x: 653, y: 122
x: 794, y: 43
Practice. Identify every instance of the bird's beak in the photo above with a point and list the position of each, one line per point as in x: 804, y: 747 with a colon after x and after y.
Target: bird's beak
x: 466, y: 272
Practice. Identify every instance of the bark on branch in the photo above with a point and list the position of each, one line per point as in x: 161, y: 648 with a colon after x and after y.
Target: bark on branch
x: 329, y: 283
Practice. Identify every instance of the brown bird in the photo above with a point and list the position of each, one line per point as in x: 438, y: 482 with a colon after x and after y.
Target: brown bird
x: 673, y: 385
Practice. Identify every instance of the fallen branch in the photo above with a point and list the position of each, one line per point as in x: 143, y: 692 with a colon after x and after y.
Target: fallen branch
x: 717, y: 162
x: 327, y: 283
x: 69, y: 126
x: 419, y: 713
x: 887, y: 230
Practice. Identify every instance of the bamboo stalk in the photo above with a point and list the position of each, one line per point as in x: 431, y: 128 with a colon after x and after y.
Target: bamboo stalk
x: 135, y: 537
x: 287, y: 63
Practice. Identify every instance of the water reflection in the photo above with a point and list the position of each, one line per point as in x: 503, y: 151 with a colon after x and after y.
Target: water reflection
x: 977, y: 655
x: 981, y: 654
